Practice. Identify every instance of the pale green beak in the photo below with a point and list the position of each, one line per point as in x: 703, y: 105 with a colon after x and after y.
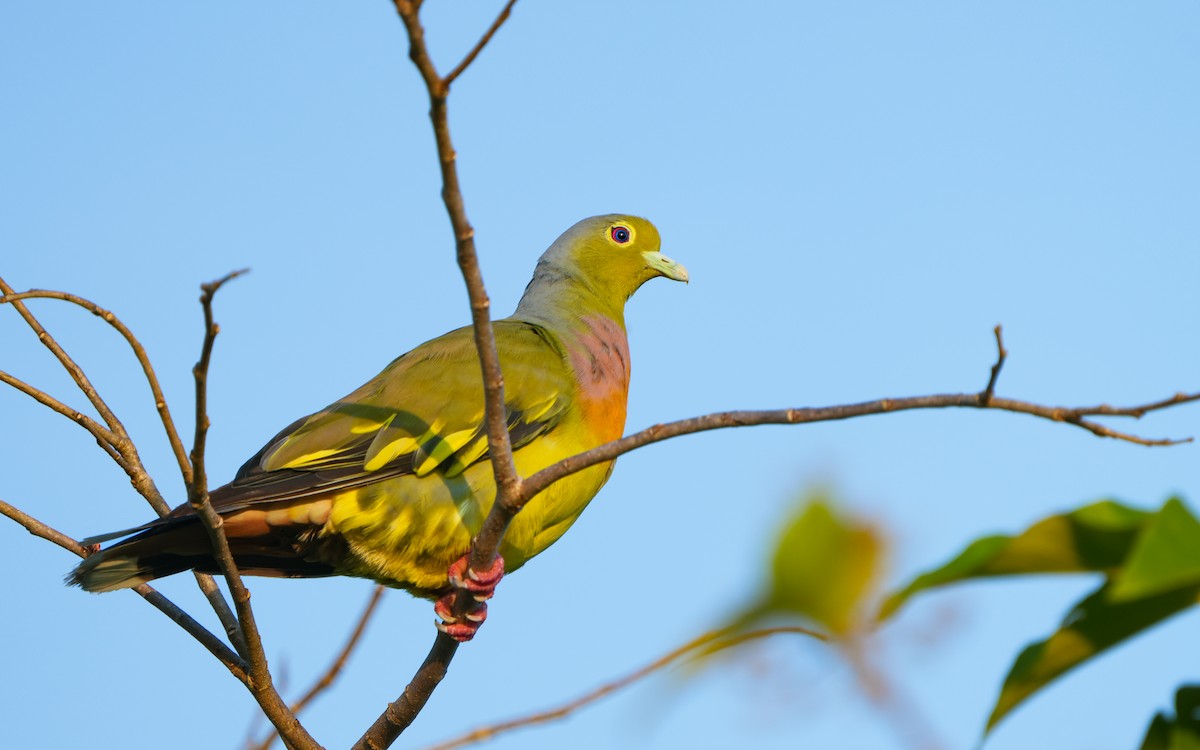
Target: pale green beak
x: 665, y: 266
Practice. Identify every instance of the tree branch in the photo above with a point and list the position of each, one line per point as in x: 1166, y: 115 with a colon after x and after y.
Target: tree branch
x: 1001, y: 355
x: 399, y: 715
x: 260, y: 683
x: 218, y: 649
x: 109, y: 441
x: 566, y: 709
x: 160, y: 401
x: 1071, y: 415
x: 121, y: 441
x: 326, y: 680
x: 487, y: 37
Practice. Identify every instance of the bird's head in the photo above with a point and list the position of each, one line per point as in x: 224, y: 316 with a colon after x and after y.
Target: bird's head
x: 611, y: 255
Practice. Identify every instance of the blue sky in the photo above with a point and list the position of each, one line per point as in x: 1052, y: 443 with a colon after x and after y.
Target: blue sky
x: 860, y: 191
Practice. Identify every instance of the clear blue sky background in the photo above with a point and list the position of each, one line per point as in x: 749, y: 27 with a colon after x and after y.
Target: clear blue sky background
x: 860, y: 190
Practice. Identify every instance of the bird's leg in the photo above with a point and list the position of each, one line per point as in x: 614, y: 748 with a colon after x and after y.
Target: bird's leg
x: 480, y: 586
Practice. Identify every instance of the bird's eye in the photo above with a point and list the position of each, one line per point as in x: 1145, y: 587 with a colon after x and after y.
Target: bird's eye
x: 620, y: 234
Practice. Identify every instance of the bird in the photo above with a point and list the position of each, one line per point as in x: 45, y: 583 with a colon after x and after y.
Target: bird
x: 393, y: 481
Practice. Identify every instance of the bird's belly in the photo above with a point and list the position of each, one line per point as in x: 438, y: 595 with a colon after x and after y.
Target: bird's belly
x: 406, y: 531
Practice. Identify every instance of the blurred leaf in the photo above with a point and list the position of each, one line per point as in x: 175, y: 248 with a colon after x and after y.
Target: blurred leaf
x: 1165, y: 557
x: 1094, y: 625
x: 824, y: 568
x: 1096, y: 537
x: 1181, y: 732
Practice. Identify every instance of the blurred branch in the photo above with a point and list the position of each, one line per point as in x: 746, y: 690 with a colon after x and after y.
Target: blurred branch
x: 326, y: 680
x: 399, y: 715
x: 911, y: 726
x: 566, y: 709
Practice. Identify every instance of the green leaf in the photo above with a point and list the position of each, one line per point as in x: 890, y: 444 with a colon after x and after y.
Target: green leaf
x: 1182, y: 732
x: 824, y: 567
x: 1096, y: 537
x: 1096, y: 624
x: 1165, y: 557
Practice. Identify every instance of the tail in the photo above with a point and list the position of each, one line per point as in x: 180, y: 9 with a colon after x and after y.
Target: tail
x: 177, y: 543
x: 162, y: 549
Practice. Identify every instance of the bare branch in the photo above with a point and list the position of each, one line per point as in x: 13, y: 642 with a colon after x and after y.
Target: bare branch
x: 160, y: 401
x: 218, y: 649
x: 487, y: 37
x: 120, y: 443
x: 486, y: 545
x: 566, y: 709
x: 259, y: 682
x: 399, y: 715
x: 104, y: 436
x: 1001, y: 355
x: 720, y: 420
x: 499, y: 443
x: 338, y: 664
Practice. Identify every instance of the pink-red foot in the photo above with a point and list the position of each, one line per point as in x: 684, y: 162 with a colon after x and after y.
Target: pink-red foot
x: 481, y: 586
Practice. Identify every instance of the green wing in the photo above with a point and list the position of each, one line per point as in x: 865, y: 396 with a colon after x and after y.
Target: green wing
x: 423, y: 414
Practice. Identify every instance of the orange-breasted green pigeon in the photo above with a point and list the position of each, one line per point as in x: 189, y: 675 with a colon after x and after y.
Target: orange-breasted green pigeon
x: 393, y: 481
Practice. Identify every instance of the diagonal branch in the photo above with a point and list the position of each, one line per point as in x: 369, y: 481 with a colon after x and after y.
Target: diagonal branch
x: 108, y: 440
x: 566, y: 709
x: 160, y: 401
x: 487, y: 37
x: 331, y: 674
x: 121, y: 443
x: 214, y: 645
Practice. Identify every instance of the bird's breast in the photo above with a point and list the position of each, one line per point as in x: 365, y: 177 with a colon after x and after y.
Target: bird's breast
x: 600, y: 359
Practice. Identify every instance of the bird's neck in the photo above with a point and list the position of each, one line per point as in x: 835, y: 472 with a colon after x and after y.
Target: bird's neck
x: 559, y: 301
x: 593, y: 337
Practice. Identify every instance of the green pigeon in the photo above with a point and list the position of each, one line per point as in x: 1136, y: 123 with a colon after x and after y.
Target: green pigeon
x: 393, y: 481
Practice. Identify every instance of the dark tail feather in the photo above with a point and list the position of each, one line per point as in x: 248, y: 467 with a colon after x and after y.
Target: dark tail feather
x: 161, y: 550
x: 173, y: 545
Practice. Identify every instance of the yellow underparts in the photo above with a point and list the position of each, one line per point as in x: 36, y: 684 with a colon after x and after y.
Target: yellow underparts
x: 407, y: 530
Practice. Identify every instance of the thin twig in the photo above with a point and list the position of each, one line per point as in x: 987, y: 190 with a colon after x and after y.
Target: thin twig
x: 399, y: 715
x: 326, y: 680
x: 121, y: 443
x: 107, y: 440
x: 1001, y: 355
x: 260, y: 683
x: 487, y: 37
x: 910, y: 724
x: 218, y: 649
x: 570, y: 707
x: 103, y: 435
x: 160, y: 401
